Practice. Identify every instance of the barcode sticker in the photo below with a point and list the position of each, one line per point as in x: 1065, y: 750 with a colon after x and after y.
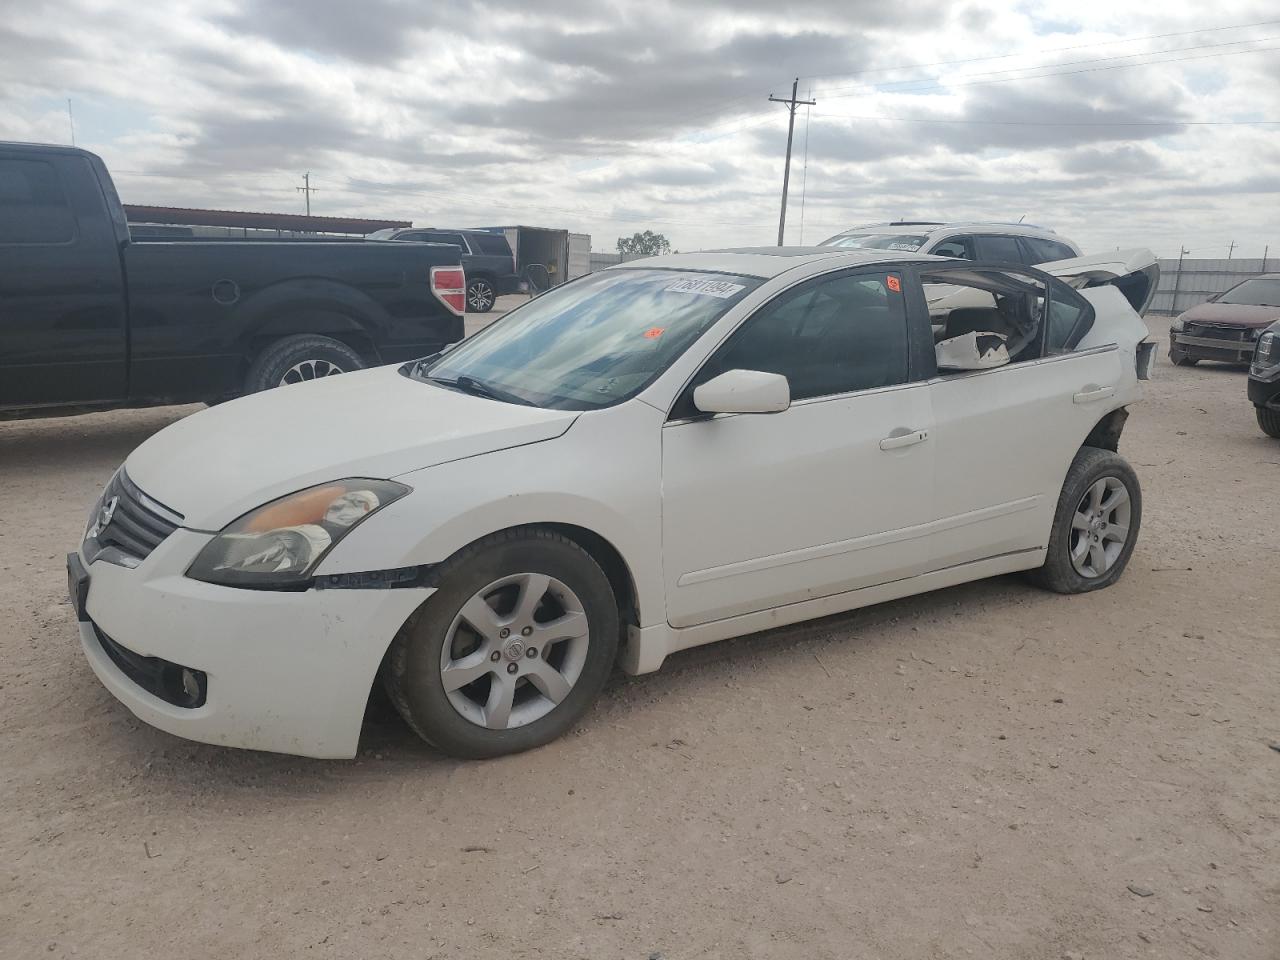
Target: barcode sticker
x: 705, y: 288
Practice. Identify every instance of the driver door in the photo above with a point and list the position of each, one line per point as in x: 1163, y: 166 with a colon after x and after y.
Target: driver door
x: 834, y: 493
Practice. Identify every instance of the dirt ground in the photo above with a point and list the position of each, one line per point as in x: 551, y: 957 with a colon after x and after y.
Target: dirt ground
x: 988, y: 771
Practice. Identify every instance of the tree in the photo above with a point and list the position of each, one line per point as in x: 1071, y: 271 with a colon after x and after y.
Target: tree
x: 647, y: 244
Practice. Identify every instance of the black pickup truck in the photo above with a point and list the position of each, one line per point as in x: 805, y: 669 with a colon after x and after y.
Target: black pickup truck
x: 91, y: 318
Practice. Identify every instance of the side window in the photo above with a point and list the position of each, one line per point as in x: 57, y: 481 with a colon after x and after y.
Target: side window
x: 1069, y: 319
x: 1041, y: 250
x: 1006, y: 312
x: 33, y: 207
x: 958, y: 247
x: 828, y: 337
x: 999, y: 248
x: 454, y: 238
x: 493, y: 244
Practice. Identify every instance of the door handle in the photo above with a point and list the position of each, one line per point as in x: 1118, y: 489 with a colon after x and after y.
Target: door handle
x: 1093, y: 392
x: 899, y: 440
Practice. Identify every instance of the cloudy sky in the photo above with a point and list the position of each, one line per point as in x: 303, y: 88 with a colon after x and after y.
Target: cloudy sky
x: 1116, y: 123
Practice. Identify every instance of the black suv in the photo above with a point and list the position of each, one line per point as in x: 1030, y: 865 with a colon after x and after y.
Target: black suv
x: 486, y: 257
x: 1264, y: 380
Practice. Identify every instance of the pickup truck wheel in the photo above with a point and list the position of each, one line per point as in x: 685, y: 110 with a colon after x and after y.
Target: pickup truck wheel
x: 1179, y: 358
x: 1095, y: 526
x: 300, y: 358
x: 480, y: 295
x: 1269, y: 421
x: 511, y: 650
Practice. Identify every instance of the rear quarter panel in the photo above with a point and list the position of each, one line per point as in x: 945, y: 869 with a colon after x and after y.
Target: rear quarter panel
x: 200, y: 311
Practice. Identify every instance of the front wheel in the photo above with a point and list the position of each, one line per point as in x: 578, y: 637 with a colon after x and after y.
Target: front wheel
x: 1269, y: 421
x: 1178, y: 357
x: 1095, y: 526
x: 480, y: 296
x: 512, y: 648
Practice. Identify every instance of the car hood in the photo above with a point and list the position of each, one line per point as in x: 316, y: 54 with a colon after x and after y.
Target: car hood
x: 1233, y: 314
x: 218, y: 464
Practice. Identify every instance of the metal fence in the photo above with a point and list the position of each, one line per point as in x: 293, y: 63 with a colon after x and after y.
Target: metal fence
x: 1186, y: 283
x: 601, y: 260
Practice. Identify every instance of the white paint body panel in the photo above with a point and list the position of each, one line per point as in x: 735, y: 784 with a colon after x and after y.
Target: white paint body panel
x: 726, y: 525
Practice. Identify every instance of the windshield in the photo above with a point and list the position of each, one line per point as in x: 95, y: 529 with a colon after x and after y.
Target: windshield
x: 879, y: 241
x: 591, y: 343
x: 1254, y: 293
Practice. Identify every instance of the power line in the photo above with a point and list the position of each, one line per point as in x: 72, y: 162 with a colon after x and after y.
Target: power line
x: 1050, y: 50
x: 934, y: 85
x: 1068, y: 63
x: 1057, y: 123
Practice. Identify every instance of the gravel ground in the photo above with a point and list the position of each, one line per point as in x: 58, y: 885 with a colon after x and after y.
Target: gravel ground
x: 988, y: 771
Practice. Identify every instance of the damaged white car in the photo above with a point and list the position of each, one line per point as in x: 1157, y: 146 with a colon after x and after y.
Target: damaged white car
x: 661, y: 455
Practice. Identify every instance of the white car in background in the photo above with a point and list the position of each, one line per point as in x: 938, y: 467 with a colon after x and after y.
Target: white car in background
x: 660, y: 455
x: 1022, y: 243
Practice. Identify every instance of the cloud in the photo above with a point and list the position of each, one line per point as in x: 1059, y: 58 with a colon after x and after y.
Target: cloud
x: 610, y: 115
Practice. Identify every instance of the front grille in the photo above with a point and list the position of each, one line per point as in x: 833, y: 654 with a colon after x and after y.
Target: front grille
x: 171, y: 682
x: 1219, y: 332
x: 136, y: 525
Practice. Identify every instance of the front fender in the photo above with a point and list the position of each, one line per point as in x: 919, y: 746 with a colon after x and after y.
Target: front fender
x: 602, y: 475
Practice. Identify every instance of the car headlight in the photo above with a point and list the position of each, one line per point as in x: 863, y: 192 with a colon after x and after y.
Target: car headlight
x: 278, y: 545
x: 1266, y: 353
x: 1178, y: 325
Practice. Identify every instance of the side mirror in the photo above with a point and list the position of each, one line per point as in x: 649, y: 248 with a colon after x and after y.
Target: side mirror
x: 744, y: 391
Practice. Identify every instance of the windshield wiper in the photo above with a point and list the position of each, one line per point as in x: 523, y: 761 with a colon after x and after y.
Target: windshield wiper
x: 476, y: 388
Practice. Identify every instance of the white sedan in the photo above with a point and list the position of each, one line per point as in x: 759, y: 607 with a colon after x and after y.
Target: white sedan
x: 661, y: 455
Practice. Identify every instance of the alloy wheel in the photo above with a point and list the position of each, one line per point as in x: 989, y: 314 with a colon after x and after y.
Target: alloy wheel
x: 514, y: 651
x: 480, y: 296
x: 310, y: 370
x: 1100, y: 527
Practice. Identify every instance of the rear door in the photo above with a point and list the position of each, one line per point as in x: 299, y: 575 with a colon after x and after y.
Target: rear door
x: 62, y: 304
x: 1006, y: 436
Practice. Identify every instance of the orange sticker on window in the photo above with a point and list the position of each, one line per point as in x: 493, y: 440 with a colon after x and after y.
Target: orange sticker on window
x: 653, y: 333
x: 894, y: 284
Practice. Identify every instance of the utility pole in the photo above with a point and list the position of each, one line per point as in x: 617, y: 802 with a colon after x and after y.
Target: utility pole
x: 1231, y: 249
x: 72, y: 121
x: 306, y: 189
x: 791, y: 129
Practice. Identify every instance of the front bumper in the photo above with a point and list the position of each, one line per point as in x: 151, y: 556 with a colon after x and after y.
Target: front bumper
x: 1227, y: 344
x: 288, y: 672
x: 1265, y: 393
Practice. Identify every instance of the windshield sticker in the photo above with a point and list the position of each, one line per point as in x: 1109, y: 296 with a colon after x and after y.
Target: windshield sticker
x: 653, y: 333
x: 904, y: 246
x: 705, y: 288
x: 894, y: 284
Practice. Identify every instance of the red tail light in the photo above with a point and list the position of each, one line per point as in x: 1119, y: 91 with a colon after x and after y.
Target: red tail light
x: 449, y: 284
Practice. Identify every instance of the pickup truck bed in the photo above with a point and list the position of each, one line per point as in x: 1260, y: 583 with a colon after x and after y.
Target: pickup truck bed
x: 90, y: 318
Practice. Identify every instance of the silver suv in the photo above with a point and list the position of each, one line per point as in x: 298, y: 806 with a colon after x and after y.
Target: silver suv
x: 1003, y: 242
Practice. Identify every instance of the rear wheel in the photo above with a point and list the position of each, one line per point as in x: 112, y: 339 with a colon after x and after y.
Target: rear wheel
x: 480, y: 295
x: 1178, y: 357
x: 1095, y: 526
x: 298, y: 359
x: 1269, y: 421
x: 511, y: 650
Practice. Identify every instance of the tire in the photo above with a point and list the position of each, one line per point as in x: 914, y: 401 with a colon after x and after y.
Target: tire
x: 299, y: 358
x: 480, y: 295
x: 467, y: 720
x: 1179, y: 358
x: 1269, y: 421
x: 1092, y: 469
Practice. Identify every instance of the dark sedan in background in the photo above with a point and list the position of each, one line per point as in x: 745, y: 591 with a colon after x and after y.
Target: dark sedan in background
x: 1227, y: 327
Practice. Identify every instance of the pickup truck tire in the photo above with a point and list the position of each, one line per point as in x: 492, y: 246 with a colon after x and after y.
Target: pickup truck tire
x: 1179, y: 358
x: 480, y: 295
x: 299, y: 358
x: 1269, y: 421
x: 1095, y: 525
